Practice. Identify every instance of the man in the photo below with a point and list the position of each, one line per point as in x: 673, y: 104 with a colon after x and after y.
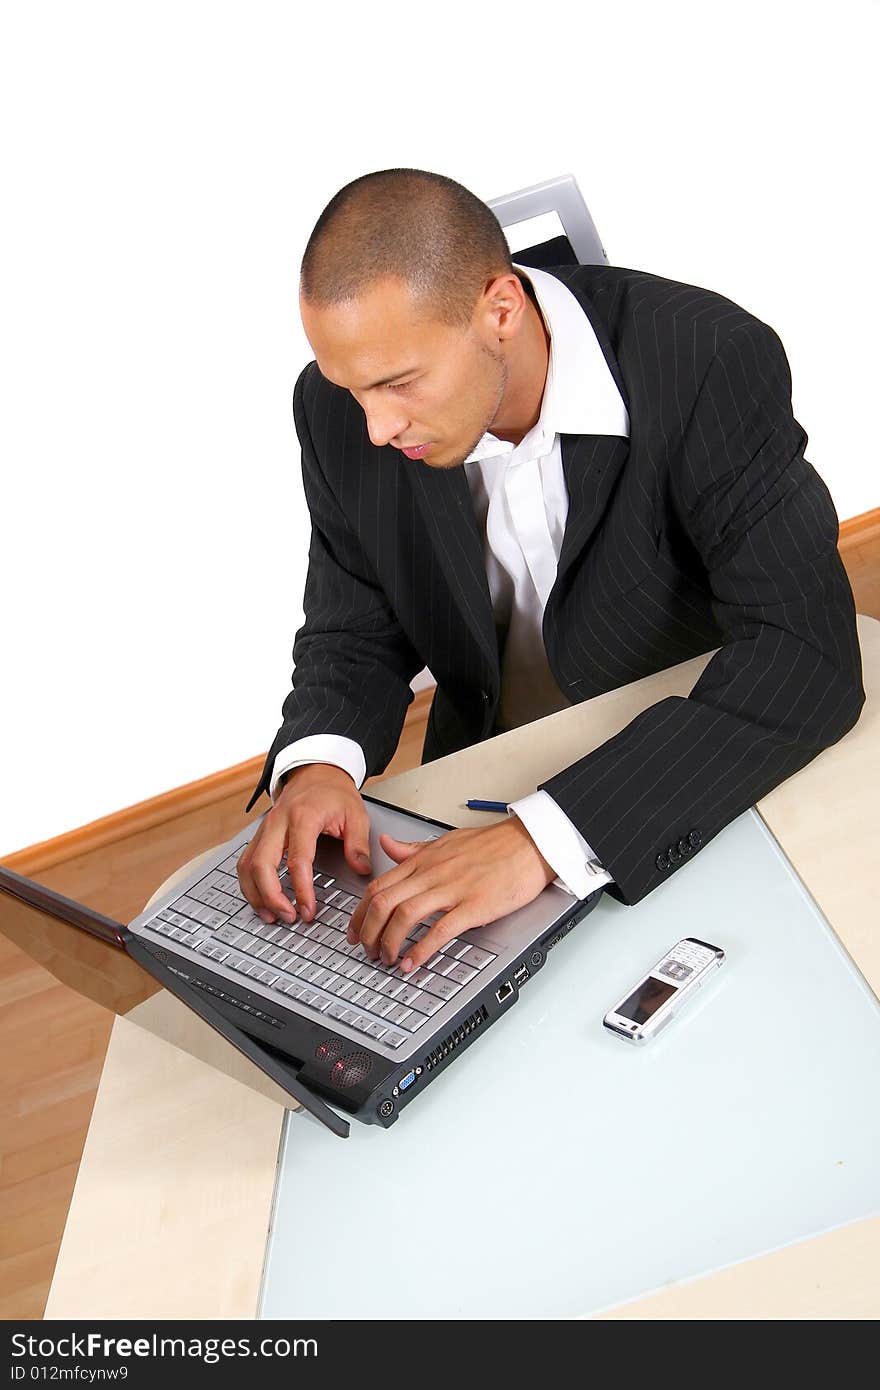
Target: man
x: 541, y: 485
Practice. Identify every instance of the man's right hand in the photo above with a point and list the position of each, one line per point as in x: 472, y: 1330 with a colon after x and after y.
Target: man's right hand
x: 316, y: 799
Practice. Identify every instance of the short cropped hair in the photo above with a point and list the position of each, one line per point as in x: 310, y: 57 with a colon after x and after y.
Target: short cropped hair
x: 436, y: 235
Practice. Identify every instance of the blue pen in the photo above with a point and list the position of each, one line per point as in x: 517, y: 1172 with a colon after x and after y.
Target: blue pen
x: 486, y: 805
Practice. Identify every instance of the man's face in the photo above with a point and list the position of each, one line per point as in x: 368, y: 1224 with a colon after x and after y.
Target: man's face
x: 417, y: 381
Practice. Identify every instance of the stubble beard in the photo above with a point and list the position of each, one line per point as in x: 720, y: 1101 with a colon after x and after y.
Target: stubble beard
x: 491, y: 416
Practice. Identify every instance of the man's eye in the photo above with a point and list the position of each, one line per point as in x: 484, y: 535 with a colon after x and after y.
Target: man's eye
x: 401, y: 387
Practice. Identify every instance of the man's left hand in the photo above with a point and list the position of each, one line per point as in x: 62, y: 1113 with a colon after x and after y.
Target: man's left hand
x: 474, y: 876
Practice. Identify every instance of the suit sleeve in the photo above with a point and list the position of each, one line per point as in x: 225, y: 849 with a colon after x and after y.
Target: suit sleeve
x: 353, y: 663
x: 785, y: 683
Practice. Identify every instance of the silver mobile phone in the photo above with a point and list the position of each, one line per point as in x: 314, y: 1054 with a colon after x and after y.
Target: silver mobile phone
x: 658, y: 996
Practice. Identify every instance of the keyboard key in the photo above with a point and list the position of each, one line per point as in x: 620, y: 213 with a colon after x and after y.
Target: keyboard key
x: 187, y: 906
x: 218, y: 953
x: 171, y: 918
x: 212, y: 897
x: 230, y: 865
x: 393, y: 1039
x: 461, y: 972
x: 335, y: 961
x: 248, y: 943
x: 375, y: 1030
x: 407, y: 995
x: 227, y: 883
x: 366, y: 974
x: 389, y: 986
x: 476, y: 956
x: 229, y: 934
x: 245, y: 916
x: 415, y: 1021
x: 427, y: 1003
x: 421, y: 977
x: 372, y: 1001
x: 398, y: 1014
x: 443, y: 989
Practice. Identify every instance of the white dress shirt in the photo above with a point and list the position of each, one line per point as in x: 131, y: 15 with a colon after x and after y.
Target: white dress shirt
x: 521, y: 506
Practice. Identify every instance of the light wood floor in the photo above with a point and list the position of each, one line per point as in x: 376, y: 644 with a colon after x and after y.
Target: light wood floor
x: 52, y: 1041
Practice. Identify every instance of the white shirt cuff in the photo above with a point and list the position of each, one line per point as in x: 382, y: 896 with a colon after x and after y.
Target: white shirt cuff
x: 561, y: 843
x: 320, y: 748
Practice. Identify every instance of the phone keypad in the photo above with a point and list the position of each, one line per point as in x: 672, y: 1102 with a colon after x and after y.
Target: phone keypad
x: 675, y: 970
x: 683, y: 960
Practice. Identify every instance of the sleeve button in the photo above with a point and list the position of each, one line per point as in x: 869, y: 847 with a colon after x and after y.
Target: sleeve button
x: 662, y: 862
x: 695, y: 838
x: 684, y: 845
x: 674, y: 854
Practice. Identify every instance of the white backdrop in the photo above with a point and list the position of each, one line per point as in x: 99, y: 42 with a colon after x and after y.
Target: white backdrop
x: 162, y: 167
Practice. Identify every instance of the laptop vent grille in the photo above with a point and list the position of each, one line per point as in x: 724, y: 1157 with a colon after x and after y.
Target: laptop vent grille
x: 456, y: 1038
x: 351, y: 1070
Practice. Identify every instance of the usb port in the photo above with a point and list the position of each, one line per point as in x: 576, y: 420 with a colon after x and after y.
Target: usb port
x: 407, y: 1080
x: 521, y: 975
x: 504, y: 992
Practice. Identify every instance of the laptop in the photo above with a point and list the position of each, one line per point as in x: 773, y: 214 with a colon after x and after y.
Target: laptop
x: 310, y: 1010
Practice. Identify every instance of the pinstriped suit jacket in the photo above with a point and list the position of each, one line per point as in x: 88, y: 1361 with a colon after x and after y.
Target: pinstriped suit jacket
x: 706, y: 528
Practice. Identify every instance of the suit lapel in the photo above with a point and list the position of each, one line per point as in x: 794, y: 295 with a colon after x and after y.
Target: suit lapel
x: 444, y: 499
x: 591, y: 464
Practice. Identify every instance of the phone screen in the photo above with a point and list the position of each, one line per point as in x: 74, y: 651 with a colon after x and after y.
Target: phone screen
x: 646, y: 1000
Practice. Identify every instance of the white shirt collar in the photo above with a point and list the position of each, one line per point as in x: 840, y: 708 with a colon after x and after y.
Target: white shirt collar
x: 580, y: 393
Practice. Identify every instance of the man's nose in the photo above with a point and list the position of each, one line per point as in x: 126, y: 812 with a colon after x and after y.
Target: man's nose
x: 383, y: 426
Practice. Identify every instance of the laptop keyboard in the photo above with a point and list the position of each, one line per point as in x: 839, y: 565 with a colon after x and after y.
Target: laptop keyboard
x: 312, y: 962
